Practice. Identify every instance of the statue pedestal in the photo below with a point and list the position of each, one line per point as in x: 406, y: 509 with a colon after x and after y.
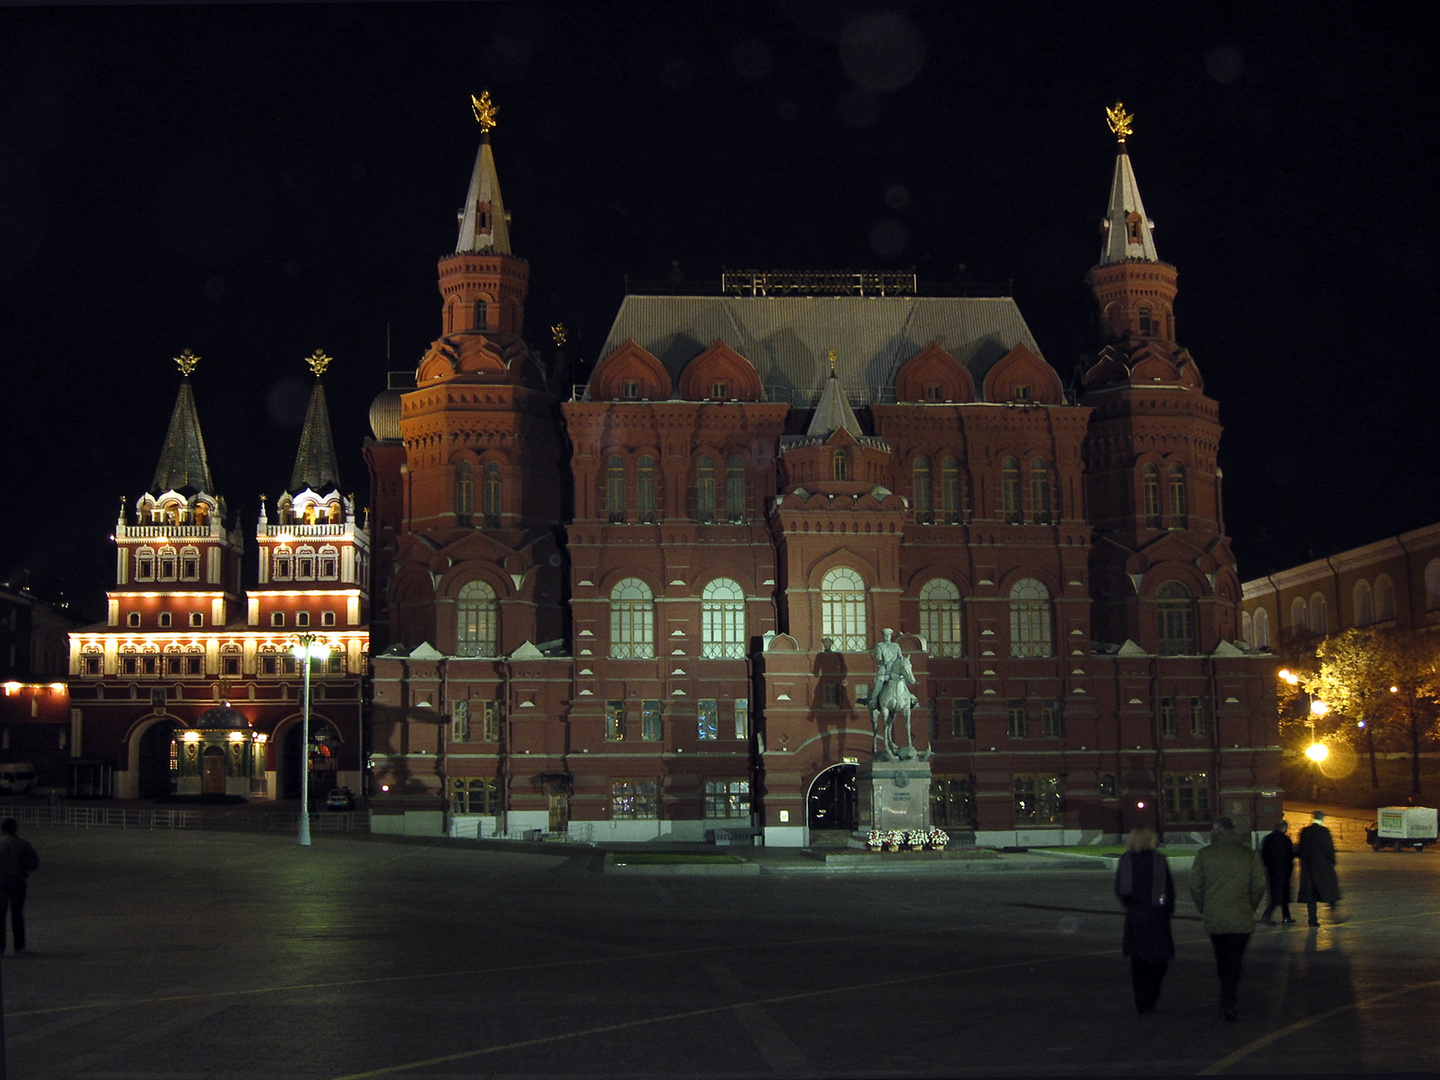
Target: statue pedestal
x: 894, y: 795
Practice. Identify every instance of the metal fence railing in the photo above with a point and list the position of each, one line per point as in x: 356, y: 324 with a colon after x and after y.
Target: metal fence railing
x: 130, y: 817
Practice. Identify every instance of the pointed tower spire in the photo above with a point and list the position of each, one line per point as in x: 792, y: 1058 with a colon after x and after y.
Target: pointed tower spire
x: 315, y: 462
x: 833, y: 411
x: 1129, y: 234
x: 1135, y: 290
x: 482, y: 219
x: 183, y: 465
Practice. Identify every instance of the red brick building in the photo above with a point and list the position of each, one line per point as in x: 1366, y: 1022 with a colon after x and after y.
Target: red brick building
x: 190, y: 686
x: 645, y: 607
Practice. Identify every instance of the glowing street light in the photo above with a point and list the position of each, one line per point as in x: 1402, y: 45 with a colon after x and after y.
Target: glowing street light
x: 306, y: 650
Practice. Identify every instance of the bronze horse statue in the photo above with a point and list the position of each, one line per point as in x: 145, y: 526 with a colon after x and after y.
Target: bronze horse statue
x: 894, y: 698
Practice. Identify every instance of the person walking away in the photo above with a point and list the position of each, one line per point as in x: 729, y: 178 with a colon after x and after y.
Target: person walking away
x: 17, y: 859
x: 1227, y: 884
x: 1318, y: 881
x: 1277, y: 852
x: 1144, y: 885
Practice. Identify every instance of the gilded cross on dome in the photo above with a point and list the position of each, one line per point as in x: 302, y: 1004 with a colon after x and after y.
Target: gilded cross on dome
x: 484, y: 110
x: 318, y: 362
x: 1119, y: 120
x: 187, y: 361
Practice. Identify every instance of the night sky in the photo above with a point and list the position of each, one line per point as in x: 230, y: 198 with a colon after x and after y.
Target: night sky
x: 254, y: 182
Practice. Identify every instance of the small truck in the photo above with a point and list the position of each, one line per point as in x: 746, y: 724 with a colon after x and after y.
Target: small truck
x: 1401, y: 827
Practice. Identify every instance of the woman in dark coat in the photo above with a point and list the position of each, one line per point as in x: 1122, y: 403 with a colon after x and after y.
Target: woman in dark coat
x: 1318, y: 881
x: 1144, y: 885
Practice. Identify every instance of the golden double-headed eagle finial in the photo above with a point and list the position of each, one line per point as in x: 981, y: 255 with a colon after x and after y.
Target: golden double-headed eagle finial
x: 187, y: 361
x: 832, y: 356
x: 560, y: 334
x: 1119, y: 120
x: 318, y: 362
x: 484, y: 110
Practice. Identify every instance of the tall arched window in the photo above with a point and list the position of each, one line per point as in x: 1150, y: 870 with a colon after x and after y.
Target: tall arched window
x: 940, y: 618
x: 1145, y: 324
x: 1247, y: 628
x: 1175, y: 620
x: 645, y: 490
x: 1319, y: 615
x: 1384, y: 598
x: 1150, y: 489
x: 464, y: 494
x: 1299, y: 620
x: 1364, y: 605
x: 1262, y: 629
x: 1031, y: 629
x: 950, y: 490
x: 722, y: 620
x: 490, y: 495
x: 615, y: 489
x: 735, y: 488
x: 1010, y: 490
x: 924, y: 501
x: 632, y: 621
x: 840, y: 466
x: 842, y: 610
x: 1179, y: 501
x: 705, y: 490
x: 477, y: 615
x: 1040, y: 505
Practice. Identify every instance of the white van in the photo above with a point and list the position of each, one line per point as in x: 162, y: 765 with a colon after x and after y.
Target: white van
x: 17, y: 779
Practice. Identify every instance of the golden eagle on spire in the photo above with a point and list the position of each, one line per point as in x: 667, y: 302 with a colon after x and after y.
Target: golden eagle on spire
x: 484, y: 110
x: 1119, y: 120
x: 187, y: 361
x: 318, y: 362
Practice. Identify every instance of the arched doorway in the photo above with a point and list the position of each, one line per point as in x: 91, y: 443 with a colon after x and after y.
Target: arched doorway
x: 834, y: 802
x: 324, y: 759
x: 154, y: 761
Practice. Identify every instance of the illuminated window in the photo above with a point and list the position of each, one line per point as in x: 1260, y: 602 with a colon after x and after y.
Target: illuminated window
x: 842, y: 610
x: 632, y: 621
x: 1262, y: 629
x: 477, y: 615
x: 475, y: 796
x: 650, y: 724
x: 1319, y: 615
x: 1031, y: 632
x: 722, y: 620
x: 940, y: 618
x: 840, y: 466
x: 742, y: 718
x: 633, y: 800
x: 615, y: 721
x: 727, y: 799
x: 1186, y: 798
x: 952, y: 802
x: 707, y: 714
x: 1037, y: 799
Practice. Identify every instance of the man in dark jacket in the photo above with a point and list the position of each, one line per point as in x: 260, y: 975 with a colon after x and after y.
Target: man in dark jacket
x: 1277, y: 852
x: 1227, y: 884
x: 17, y: 859
x: 1318, y: 880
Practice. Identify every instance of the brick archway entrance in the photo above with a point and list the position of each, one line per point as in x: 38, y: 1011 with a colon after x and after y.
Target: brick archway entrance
x: 834, y: 801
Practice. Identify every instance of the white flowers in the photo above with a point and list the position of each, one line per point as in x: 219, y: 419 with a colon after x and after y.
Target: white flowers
x: 933, y: 839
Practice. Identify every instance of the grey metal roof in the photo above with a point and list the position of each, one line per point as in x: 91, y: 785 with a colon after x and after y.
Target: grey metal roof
x: 787, y: 338
x: 316, y: 465
x: 183, y: 465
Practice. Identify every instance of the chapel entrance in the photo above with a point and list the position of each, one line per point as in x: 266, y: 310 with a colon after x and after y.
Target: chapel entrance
x: 834, y: 802
x: 212, y: 771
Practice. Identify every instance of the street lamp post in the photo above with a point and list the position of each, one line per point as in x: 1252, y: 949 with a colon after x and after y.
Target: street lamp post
x: 1316, y: 751
x: 306, y: 650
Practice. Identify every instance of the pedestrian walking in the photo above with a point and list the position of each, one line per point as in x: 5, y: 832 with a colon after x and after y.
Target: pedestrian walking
x: 1144, y: 885
x: 1318, y: 881
x: 17, y: 859
x: 1277, y: 852
x: 1227, y: 884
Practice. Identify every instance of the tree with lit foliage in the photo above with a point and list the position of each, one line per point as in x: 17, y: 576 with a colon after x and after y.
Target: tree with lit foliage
x: 1388, y: 682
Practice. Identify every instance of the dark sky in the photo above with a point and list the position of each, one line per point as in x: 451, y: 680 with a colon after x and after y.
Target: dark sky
x: 254, y: 182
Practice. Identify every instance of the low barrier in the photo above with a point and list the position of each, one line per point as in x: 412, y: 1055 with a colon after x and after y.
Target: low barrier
x: 190, y: 817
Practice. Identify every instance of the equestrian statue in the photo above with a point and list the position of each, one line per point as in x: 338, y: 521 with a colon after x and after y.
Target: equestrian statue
x: 890, y: 698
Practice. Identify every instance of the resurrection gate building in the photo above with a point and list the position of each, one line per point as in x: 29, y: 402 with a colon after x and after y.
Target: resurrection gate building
x: 643, y: 607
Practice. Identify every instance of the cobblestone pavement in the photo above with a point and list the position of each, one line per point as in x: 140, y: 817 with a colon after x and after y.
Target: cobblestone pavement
x: 219, y: 955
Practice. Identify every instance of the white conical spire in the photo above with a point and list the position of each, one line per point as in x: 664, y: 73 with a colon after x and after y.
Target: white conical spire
x: 1128, y: 232
x: 482, y: 219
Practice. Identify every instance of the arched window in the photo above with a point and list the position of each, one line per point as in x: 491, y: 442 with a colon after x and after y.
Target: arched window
x: 1319, y: 615
x: 1364, y: 605
x: 305, y: 564
x: 950, y: 490
x: 329, y: 562
x: 1262, y: 629
x: 645, y: 490
x: 1247, y: 628
x: 632, y: 621
x: 735, y: 488
x: 189, y: 563
x: 705, y: 490
x: 490, y: 495
x: 281, y: 564
x: 1175, y: 620
x: 1384, y: 598
x: 168, y: 563
x: 1150, y: 488
x: 1179, y: 502
x: 842, y: 610
x: 1031, y: 631
x: 615, y: 489
x: 145, y: 564
x: 1145, y: 326
x: 1040, y: 506
x: 477, y: 616
x: 480, y: 315
x: 840, y: 466
x: 940, y: 618
x: 202, y: 514
x: 1010, y: 490
x: 924, y: 500
x: 464, y: 494
x: 722, y: 620
x: 1299, y: 621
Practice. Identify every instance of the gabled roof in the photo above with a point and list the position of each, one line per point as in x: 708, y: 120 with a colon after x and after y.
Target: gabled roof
x: 316, y: 465
x: 787, y: 338
x: 183, y: 466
